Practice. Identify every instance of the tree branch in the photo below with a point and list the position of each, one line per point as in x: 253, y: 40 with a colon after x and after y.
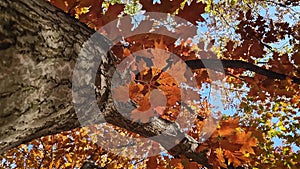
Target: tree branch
x: 235, y: 64
x: 166, y: 133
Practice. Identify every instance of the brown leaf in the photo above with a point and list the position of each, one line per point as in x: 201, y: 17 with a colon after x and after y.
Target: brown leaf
x: 232, y: 159
x: 152, y: 162
x: 193, y: 12
x: 257, y: 50
x: 166, y: 6
x: 296, y: 58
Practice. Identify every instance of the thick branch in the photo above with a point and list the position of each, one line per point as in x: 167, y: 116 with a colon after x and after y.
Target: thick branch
x: 167, y: 134
x: 235, y: 64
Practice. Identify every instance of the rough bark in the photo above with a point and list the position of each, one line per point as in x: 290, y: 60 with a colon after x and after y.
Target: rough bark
x: 38, y: 47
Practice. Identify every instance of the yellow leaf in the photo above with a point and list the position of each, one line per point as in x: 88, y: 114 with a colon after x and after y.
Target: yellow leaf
x: 68, y: 164
x: 51, y: 164
x: 69, y: 158
x: 83, y: 10
x: 220, y: 156
x: 57, y: 163
x: 219, y: 153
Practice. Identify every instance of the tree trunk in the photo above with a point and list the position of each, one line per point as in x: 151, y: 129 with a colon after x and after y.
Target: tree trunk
x: 39, y: 45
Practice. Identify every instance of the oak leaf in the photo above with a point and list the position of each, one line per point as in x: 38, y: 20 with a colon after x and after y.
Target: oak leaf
x: 232, y: 159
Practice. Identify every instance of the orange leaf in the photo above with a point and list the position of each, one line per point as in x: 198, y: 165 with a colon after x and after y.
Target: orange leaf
x: 243, y: 137
x: 126, y: 52
x: 232, y: 159
x: 177, y: 163
x: 220, y: 156
x: 228, y: 127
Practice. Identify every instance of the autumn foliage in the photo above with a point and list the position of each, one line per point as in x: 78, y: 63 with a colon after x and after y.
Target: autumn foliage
x: 261, y: 102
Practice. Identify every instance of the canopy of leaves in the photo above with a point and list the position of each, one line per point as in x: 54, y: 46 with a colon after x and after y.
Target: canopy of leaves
x: 258, y: 43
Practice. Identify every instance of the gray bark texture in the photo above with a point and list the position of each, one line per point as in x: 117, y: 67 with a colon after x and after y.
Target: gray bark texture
x: 39, y: 45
